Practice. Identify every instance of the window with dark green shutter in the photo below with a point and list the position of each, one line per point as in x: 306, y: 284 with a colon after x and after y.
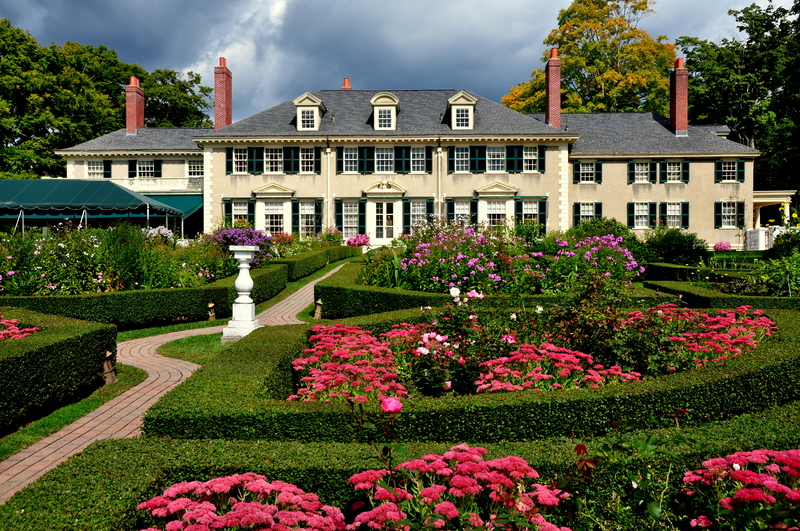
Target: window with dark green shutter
x: 540, y: 163
x: 131, y: 169
x: 450, y: 206
x: 317, y: 159
x: 255, y: 160
x: 366, y: 159
x: 229, y: 160
x: 515, y: 161
x: 106, y: 169
x: 402, y: 159
x: 740, y: 171
x: 291, y: 159
x: 362, y: 216
x: 685, y: 171
x: 157, y: 168
x: 339, y: 159
x: 477, y: 159
x: 428, y: 159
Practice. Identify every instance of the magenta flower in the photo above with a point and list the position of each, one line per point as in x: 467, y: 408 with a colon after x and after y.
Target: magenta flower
x: 391, y: 405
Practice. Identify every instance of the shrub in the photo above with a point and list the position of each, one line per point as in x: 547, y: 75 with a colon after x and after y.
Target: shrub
x: 358, y: 240
x: 722, y: 246
x: 674, y: 245
x: 785, y: 244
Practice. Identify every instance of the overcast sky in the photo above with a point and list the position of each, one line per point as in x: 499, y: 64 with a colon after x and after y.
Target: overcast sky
x: 279, y: 49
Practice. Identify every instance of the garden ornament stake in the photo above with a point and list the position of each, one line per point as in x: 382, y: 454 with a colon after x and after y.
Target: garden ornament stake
x: 244, y: 309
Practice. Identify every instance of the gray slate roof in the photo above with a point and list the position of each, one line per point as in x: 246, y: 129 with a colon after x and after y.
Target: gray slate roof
x: 146, y: 139
x: 420, y: 112
x: 641, y: 134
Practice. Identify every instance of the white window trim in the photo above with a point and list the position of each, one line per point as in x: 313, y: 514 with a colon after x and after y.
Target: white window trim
x: 638, y: 216
x: 456, y: 159
x: 535, y: 158
x: 392, y: 117
x: 139, y: 167
x: 594, y: 173
x: 418, y: 150
x: 235, y: 160
x: 733, y: 215
x: 300, y: 122
x: 345, y: 159
x: 735, y: 172
x: 671, y: 177
x: 390, y: 151
x: 646, y: 175
x: 470, y: 118
x: 94, y: 174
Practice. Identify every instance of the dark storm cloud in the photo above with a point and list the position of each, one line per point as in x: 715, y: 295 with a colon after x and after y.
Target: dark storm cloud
x: 279, y: 49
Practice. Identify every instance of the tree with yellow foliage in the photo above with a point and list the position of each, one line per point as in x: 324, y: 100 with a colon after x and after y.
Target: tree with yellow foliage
x: 608, y: 64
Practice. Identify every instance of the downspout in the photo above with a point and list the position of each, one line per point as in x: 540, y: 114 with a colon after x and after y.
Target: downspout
x: 439, y: 177
x: 328, y: 198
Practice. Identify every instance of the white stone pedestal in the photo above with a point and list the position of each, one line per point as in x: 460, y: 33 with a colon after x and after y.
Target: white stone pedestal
x: 244, y: 309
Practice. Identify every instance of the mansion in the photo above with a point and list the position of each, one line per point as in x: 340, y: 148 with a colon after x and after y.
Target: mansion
x: 379, y: 162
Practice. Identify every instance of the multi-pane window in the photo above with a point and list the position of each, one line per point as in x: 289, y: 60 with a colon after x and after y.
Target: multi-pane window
x: 239, y: 211
x: 384, y: 220
x: 94, y: 169
x: 195, y: 168
x: 418, y: 159
x: 239, y: 160
x: 350, y: 159
x: 273, y: 217
x: 419, y: 213
x: 384, y: 118
x: 463, y: 118
x: 673, y: 215
x: 673, y: 172
x: 587, y: 172
x: 641, y: 172
x: 461, y: 208
x: 587, y: 212
x: 729, y: 214
x: 530, y: 156
x: 641, y: 215
x: 530, y: 210
x: 145, y: 168
x: 496, y: 212
x: 307, y: 224
x: 384, y: 160
x: 307, y: 160
x: 729, y: 171
x: 349, y: 219
x: 462, y: 159
x: 307, y: 119
x: 273, y: 160
x: 496, y: 158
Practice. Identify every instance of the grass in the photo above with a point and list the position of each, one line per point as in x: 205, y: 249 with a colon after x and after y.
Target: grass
x: 197, y: 349
x: 291, y: 287
x: 127, y: 377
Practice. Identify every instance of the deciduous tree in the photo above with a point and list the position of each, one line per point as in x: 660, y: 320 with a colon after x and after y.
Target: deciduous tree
x: 608, y: 63
x: 58, y: 96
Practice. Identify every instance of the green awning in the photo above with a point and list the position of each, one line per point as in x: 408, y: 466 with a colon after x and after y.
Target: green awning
x: 75, y: 196
x: 189, y: 204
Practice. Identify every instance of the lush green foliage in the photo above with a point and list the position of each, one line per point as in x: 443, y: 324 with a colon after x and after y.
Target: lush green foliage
x: 53, y: 97
x: 750, y: 83
x: 674, y: 245
x: 61, y: 361
x: 608, y: 63
x: 785, y: 244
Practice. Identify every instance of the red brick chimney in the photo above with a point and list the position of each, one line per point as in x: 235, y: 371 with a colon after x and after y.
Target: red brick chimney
x: 223, y: 95
x: 346, y: 85
x: 134, y: 106
x: 552, y: 110
x: 679, y: 99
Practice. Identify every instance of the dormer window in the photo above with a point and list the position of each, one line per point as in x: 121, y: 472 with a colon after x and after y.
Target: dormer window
x: 462, y: 111
x: 384, y: 111
x: 309, y: 112
x: 463, y: 118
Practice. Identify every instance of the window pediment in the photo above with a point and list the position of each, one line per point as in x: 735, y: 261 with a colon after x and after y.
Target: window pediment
x: 384, y: 111
x: 461, y: 109
x: 309, y: 112
x: 384, y: 188
x: 273, y: 190
x: 496, y: 189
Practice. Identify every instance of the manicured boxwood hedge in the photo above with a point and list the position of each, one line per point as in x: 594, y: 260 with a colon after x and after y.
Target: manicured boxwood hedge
x: 342, y: 297
x: 228, y: 399
x: 302, y: 265
x: 61, y: 361
x: 664, y: 271
x: 100, y: 488
x: 698, y: 297
x: 136, y: 309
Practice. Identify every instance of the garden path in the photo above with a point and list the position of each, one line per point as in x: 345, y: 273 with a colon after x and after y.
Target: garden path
x: 122, y: 417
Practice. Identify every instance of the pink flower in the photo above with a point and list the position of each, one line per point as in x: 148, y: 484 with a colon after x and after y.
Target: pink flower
x: 701, y: 521
x: 391, y: 405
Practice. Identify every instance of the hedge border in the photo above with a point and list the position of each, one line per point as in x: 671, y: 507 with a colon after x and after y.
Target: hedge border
x: 226, y: 399
x: 137, y: 309
x: 61, y: 361
x: 342, y: 297
x: 100, y: 488
x: 698, y: 297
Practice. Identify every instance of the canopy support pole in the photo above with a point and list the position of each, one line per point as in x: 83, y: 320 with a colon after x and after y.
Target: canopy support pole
x: 182, y: 220
x: 20, y: 216
x: 83, y: 217
x: 148, y: 215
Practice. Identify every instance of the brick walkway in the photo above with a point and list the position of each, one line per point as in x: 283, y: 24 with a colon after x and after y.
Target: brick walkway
x: 122, y: 416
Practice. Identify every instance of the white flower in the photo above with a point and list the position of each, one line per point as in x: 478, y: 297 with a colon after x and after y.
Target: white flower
x: 539, y: 309
x: 736, y: 466
x: 513, y: 317
x: 634, y: 484
x: 422, y: 350
x: 455, y: 292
